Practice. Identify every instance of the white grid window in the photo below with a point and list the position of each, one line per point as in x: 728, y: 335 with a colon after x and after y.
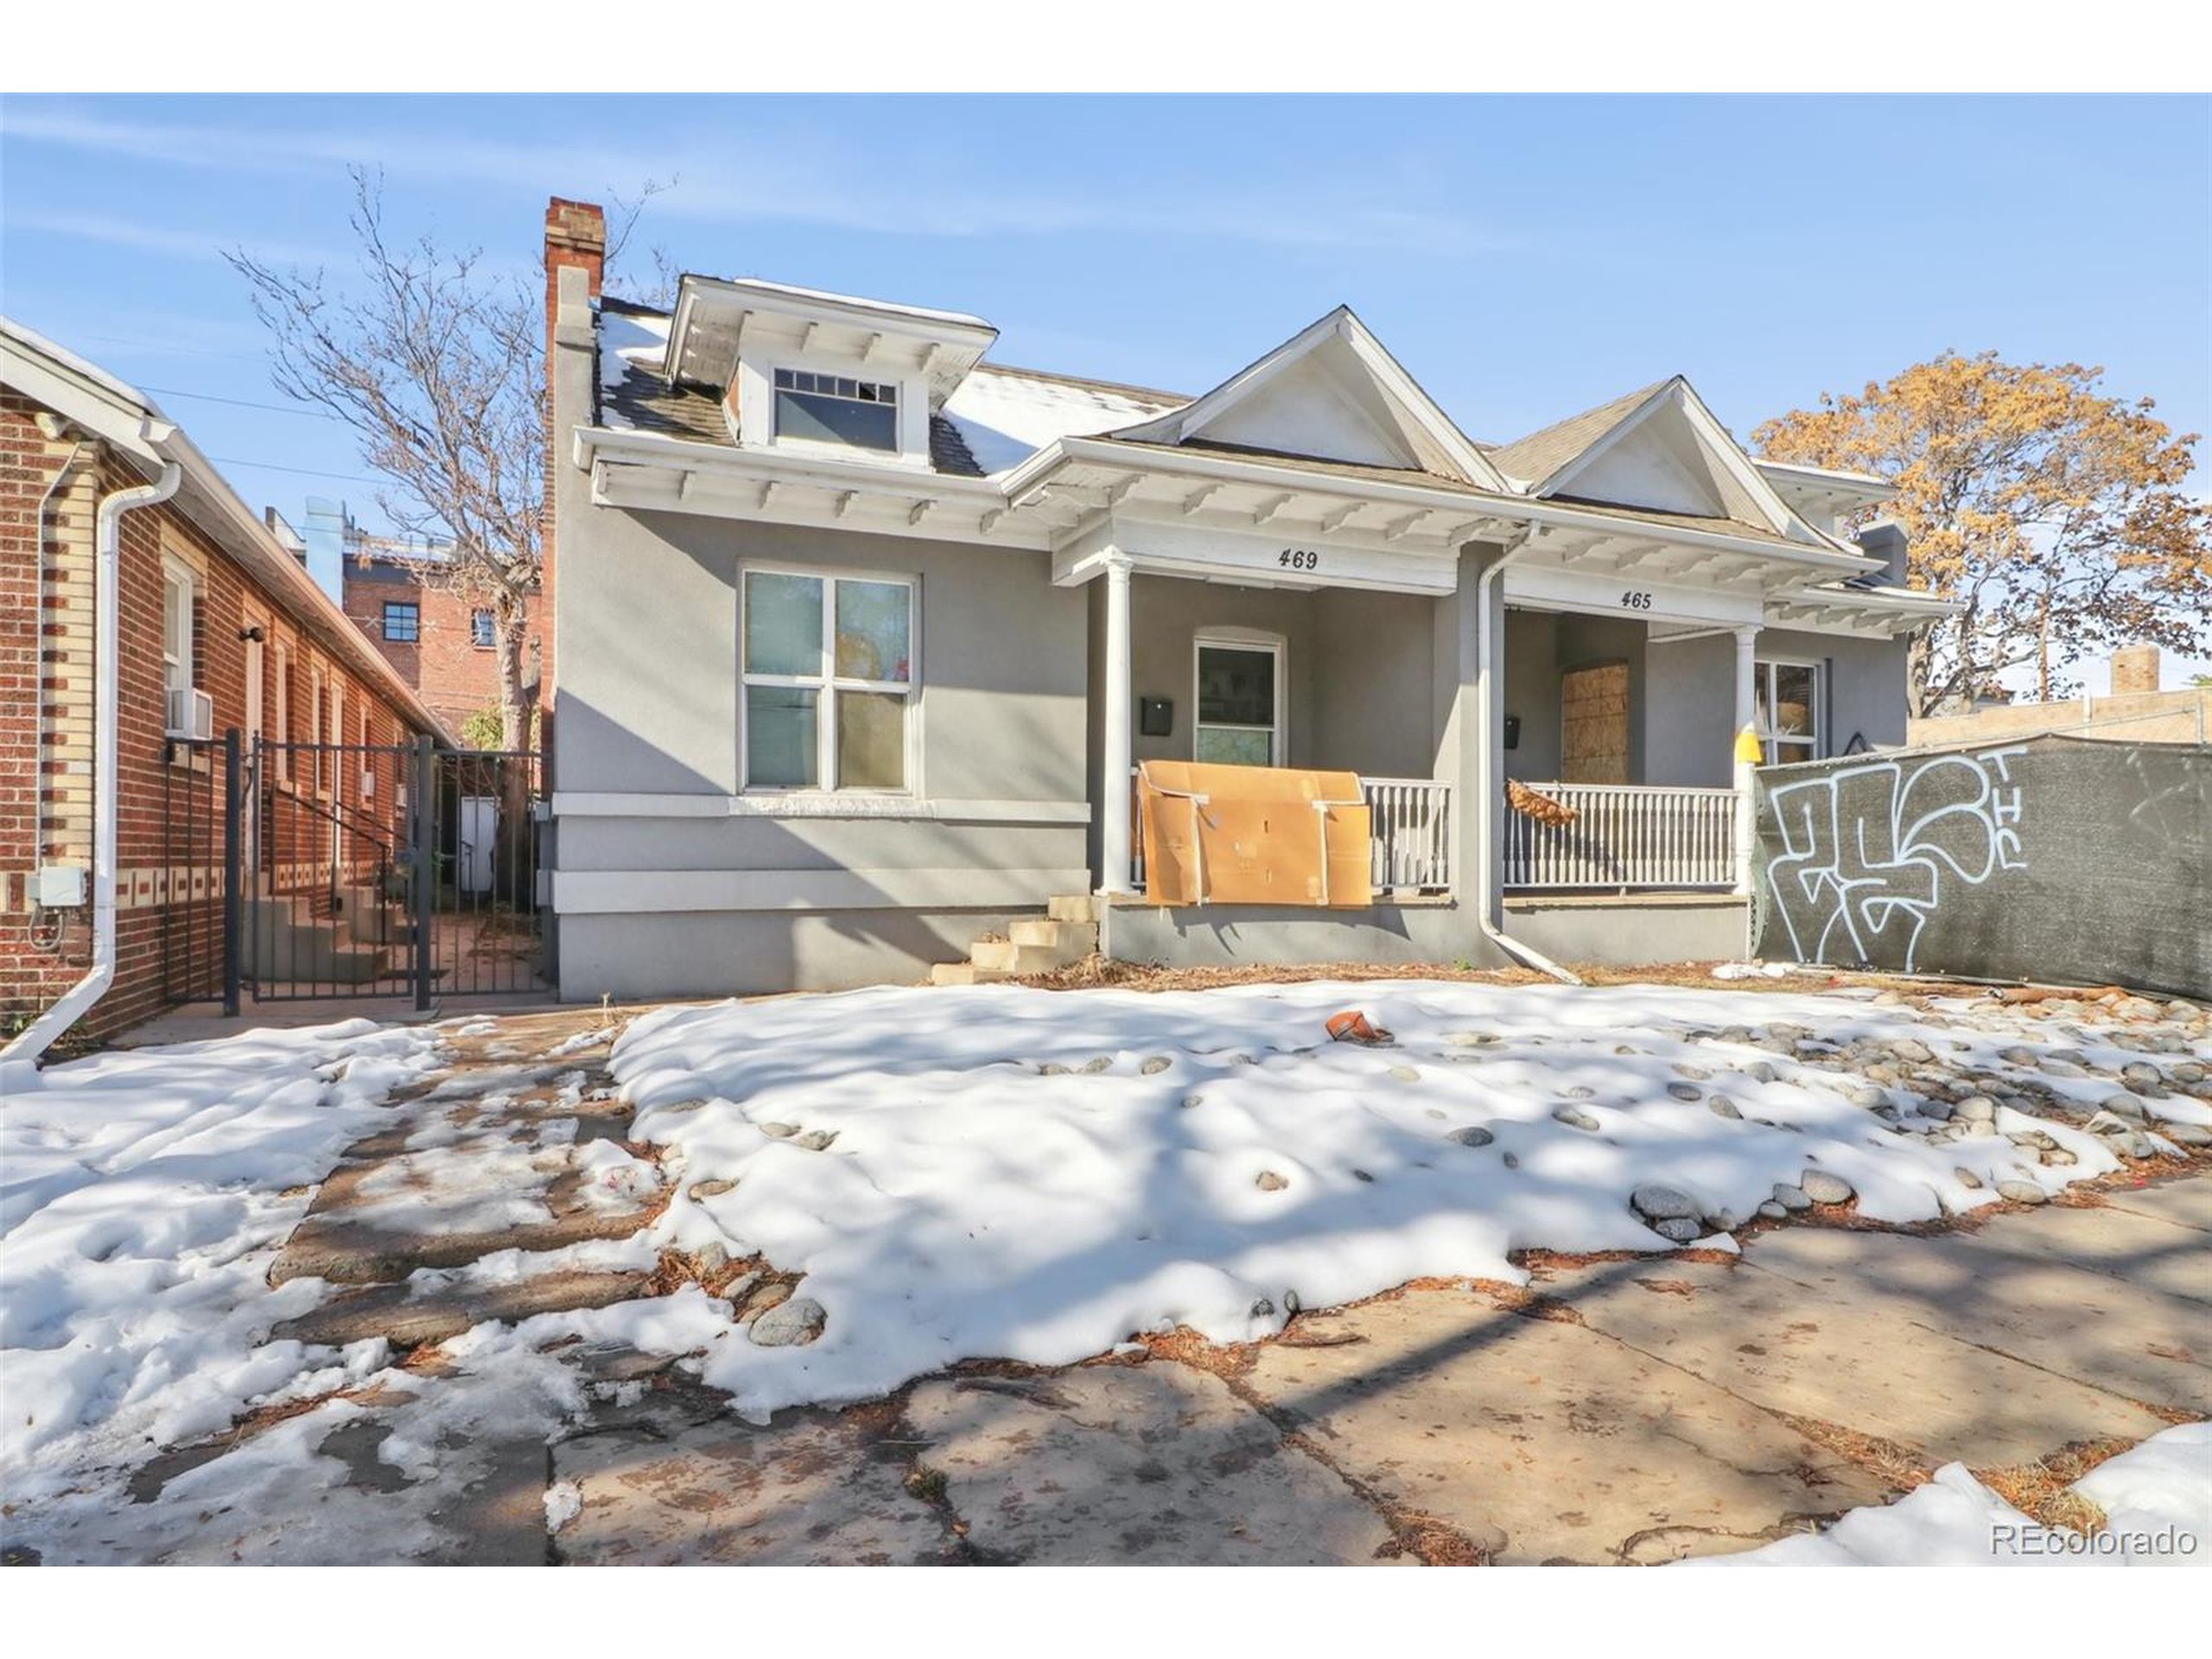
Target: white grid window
x: 1789, y: 695
x: 483, y: 630
x: 836, y: 409
x: 828, y: 681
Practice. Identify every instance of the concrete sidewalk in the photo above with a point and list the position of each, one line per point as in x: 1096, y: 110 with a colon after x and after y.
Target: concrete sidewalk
x: 1627, y: 1411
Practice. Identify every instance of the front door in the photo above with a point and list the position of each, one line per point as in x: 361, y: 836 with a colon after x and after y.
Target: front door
x: 1239, y: 703
x: 1593, y: 725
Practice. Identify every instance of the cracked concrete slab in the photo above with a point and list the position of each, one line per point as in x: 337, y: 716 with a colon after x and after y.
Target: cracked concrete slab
x: 2146, y: 1253
x: 1155, y: 1463
x: 1853, y: 1355
x: 412, y: 1314
x: 809, y: 1489
x: 1991, y: 1289
x: 2186, y: 1202
x: 1543, y: 1441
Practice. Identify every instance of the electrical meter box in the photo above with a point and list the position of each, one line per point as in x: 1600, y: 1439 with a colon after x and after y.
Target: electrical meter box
x: 58, y: 886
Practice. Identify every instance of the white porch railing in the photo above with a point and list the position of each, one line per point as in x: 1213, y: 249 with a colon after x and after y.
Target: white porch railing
x: 1625, y: 836
x: 1411, y: 824
x: 1410, y: 832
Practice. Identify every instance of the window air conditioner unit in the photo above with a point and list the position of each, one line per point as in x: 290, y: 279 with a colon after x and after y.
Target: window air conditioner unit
x: 191, y: 714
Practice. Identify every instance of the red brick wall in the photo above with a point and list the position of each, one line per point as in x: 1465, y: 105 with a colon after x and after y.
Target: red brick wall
x: 168, y: 893
x: 576, y: 237
x: 444, y: 667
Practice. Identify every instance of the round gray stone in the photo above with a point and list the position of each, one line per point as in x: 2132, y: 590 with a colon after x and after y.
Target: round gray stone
x: 1473, y: 1135
x: 799, y: 1321
x: 1721, y: 1106
x: 1679, y: 1229
x: 1657, y: 1202
x: 1791, y: 1197
x: 1975, y: 1108
x: 1685, y: 1091
x: 1773, y: 1211
x: 2022, y: 1192
x: 1575, y: 1118
x: 1821, y: 1188
x: 1967, y: 1178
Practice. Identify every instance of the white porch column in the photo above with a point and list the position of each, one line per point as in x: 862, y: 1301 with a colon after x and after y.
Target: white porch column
x: 1113, y: 790
x: 1747, y: 750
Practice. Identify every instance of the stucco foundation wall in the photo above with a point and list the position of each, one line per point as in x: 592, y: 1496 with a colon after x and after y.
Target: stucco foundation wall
x: 1206, y: 936
x: 738, y: 953
x: 1630, y: 935
x: 1619, y: 935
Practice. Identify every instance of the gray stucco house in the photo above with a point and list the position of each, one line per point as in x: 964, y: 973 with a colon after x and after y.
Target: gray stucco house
x: 860, y: 636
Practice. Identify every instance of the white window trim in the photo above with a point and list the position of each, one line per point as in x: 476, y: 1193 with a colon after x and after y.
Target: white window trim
x: 830, y: 683
x: 175, y: 573
x: 1229, y: 638
x: 475, y: 644
x: 1814, y: 742
x: 753, y: 425
x: 319, y: 686
x: 281, y: 651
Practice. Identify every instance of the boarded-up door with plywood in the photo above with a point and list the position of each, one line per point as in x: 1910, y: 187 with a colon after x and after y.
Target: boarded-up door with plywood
x: 1593, y: 725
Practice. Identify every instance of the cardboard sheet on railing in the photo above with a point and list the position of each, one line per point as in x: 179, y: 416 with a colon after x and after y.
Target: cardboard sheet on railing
x: 1252, y: 835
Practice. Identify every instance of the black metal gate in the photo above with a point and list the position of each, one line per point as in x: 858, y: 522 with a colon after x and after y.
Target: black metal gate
x: 358, y: 870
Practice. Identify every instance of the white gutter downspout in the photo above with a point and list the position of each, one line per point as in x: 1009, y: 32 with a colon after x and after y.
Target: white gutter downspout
x: 1490, y: 908
x: 39, y: 1035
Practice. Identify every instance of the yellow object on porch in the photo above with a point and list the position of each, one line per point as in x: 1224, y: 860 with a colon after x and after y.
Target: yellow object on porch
x: 1750, y: 751
x: 1254, y: 835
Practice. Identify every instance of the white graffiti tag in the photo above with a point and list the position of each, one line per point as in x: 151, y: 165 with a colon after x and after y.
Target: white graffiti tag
x: 1867, y: 850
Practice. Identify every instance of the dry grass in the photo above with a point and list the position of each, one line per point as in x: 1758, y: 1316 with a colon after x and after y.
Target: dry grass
x: 1096, y: 972
x: 2041, y: 1491
x: 1900, y: 1467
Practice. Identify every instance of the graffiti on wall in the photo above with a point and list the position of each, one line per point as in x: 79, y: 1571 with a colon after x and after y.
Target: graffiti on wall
x: 1869, y: 853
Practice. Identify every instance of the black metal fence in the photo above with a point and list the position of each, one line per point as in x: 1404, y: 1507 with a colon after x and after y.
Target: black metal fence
x: 301, y: 871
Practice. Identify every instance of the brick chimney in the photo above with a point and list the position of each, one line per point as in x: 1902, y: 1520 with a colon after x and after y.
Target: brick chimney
x: 576, y: 240
x: 2135, y: 669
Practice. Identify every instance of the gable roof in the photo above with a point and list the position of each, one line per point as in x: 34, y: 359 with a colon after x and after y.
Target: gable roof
x: 1409, y: 419
x: 1543, y: 452
x: 1557, y: 459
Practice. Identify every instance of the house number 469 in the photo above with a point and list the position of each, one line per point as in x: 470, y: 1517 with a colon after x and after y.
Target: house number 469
x: 1636, y: 600
x: 1298, y: 558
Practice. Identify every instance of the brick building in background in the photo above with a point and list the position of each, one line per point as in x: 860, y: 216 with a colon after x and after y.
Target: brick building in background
x: 221, y: 627
x: 441, y: 643
x: 2135, y: 711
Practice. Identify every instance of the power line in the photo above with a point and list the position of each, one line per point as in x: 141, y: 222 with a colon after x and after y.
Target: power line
x: 308, y: 472
x: 243, y: 403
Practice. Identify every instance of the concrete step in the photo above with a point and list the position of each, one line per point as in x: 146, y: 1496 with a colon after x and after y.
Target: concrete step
x: 1081, y: 937
x: 963, y: 973
x: 1005, y: 957
x: 1072, y: 907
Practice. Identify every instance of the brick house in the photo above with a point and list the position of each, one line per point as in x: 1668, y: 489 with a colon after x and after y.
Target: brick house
x: 442, y: 642
x: 220, y: 627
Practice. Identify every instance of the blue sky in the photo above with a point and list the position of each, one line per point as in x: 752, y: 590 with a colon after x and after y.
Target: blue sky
x: 1524, y: 258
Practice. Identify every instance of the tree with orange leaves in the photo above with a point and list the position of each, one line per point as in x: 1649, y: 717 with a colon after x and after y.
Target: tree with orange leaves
x: 2056, y: 515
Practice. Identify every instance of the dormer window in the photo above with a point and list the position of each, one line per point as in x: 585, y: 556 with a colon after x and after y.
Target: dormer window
x: 836, y: 409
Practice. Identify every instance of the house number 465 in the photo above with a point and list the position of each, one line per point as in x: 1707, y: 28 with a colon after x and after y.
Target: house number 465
x: 1636, y: 600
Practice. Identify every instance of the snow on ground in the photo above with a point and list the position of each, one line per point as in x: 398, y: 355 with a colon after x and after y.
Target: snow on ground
x: 141, y: 1195
x: 2157, y: 1498
x: 1034, y: 1175
x: 954, y: 1174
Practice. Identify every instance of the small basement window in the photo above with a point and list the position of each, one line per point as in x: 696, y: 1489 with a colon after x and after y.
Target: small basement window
x: 836, y: 409
x: 403, y: 623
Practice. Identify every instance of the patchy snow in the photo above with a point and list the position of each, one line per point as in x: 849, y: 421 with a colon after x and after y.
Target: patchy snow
x: 1006, y: 416
x: 629, y: 344
x: 2157, y: 1500
x: 1006, y: 1172
x: 143, y: 1194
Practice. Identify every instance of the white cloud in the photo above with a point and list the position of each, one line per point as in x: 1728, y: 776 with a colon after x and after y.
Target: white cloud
x: 810, y: 179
